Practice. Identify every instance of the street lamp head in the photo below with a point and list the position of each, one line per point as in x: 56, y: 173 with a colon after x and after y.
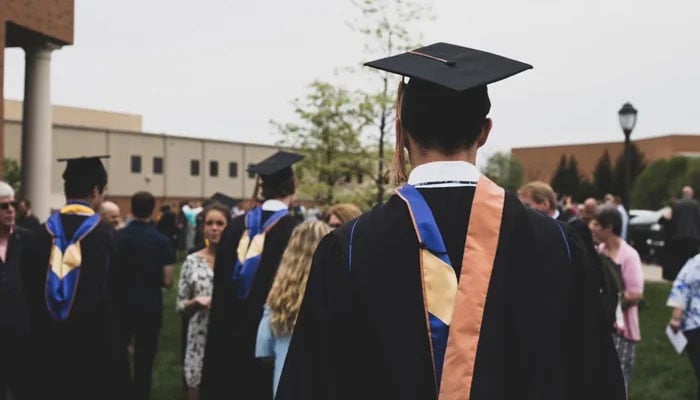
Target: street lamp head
x: 628, y: 118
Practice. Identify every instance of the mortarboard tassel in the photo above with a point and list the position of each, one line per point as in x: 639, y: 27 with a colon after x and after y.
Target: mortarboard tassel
x: 398, y: 164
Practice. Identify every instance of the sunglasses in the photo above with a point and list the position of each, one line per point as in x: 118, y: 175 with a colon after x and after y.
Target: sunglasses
x: 6, y: 205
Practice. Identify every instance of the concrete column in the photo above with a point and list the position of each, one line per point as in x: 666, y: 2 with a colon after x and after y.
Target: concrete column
x: 37, y: 149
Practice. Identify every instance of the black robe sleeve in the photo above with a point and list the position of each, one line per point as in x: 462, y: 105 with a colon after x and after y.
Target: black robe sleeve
x: 219, y: 334
x: 319, y: 359
x: 591, y: 362
x: 230, y: 366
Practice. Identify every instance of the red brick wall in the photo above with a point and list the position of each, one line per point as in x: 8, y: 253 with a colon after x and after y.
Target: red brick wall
x: 540, y: 163
x: 2, y: 91
x: 51, y: 18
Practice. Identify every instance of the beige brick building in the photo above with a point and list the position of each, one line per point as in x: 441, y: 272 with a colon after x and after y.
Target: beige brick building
x: 173, y: 168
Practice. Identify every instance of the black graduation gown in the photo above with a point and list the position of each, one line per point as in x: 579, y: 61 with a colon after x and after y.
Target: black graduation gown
x: 230, y: 367
x: 361, y: 332
x: 76, y: 358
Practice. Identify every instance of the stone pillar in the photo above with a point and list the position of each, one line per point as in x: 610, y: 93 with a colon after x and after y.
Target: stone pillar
x: 37, y: 149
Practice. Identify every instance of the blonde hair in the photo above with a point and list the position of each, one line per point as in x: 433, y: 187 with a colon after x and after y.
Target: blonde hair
x: 344, y: 212
x: 540, y: 192
x: 288, y: 287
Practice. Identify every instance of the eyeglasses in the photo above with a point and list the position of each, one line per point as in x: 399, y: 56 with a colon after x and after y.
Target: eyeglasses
x: 6, y: 205
x: 217, y: 223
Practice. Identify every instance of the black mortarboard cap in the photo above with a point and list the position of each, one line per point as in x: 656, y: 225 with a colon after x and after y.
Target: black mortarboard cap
x: 224, y: 199
x: 85, y: 168
x: 447, y: 90
x: 451, y: 66
x: 276, y: 168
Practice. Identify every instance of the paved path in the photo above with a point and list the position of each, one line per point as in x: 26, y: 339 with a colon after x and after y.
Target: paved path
x: 652, y: 273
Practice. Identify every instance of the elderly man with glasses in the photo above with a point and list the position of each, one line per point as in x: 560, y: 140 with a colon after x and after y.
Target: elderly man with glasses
x: 13, y: 307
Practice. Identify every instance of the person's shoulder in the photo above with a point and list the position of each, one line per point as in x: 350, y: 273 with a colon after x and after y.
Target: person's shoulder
x: 192, y: 258
x: 26, y: 236
x: 290, y: 220
x: 379, y: 217
x: 104, y: 228
x: 631, y: 254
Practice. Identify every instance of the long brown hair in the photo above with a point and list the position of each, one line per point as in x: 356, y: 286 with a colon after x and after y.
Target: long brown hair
x: 288, y: 288
x: 397, y: 170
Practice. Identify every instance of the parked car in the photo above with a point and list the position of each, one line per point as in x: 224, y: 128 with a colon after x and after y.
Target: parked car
x: 645, y: 233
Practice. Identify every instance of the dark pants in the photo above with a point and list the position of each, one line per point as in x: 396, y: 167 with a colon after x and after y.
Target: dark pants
x: 13, y: 372
x: 693, y: 350
x: 144, y: 329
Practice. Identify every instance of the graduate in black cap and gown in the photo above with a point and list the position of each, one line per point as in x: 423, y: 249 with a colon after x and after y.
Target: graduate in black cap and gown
x: 247, y: 259
x: 452, y: 289
x: 75, y: 346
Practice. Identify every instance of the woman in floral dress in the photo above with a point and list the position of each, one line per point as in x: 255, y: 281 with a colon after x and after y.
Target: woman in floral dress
x: 194, y: 295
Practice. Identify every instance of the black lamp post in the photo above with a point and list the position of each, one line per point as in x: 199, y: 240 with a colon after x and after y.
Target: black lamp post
x: 628, y: 119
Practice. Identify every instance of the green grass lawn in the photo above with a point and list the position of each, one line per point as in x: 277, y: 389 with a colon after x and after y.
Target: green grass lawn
x: 167, y: 381
x: 659, y: 373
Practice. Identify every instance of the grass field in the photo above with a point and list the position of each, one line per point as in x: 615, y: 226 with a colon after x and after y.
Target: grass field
x: 659, y: 372
x: 167, y: 381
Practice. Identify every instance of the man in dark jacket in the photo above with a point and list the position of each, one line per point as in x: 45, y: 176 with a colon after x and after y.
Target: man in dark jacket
x: 25, y: 218
x: 684, y: 233
x: 13, y: 307
x: 145, y: 257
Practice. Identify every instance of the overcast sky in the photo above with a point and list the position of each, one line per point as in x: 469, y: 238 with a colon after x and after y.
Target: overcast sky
x: 224, y: 68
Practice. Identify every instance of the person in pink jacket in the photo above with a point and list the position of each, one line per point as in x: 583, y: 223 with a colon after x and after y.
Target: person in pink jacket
x: 606, y: 228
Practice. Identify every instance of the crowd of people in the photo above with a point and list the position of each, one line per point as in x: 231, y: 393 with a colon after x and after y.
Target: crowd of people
x: 605, y: 223
x: 451, y: 289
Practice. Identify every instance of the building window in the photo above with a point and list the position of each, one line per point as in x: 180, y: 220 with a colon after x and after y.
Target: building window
x: 233, y: 170
x: 213, y: 168
x: 135, y: 164
x: 158, y: 165
x: 251, y: 174
x: 194, y: 167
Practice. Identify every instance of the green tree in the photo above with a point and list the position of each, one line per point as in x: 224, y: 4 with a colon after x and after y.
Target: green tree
x: 566, y: 178
x: 637, y: 165
x: 691, y: 177
x: 659, y: 183
x: 603, y: 179
x: 388, y: 27
x: 573, y: 177
x: 12, y: 173
x: 585, y: 189
x: 331, y: 120
x: 505, y: 170
x: 560, y: 177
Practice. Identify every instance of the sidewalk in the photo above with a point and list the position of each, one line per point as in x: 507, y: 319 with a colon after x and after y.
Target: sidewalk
x: 652, y: 273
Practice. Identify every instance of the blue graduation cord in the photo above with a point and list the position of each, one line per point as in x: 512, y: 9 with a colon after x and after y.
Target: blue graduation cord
x: 566, y: 241
x: 352, y: 235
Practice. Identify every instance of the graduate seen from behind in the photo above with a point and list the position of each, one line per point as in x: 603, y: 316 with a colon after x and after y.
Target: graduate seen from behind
x: 452, y: 289
x: 247, y: 259
x: 145, y: 260
x: 74, y: 341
